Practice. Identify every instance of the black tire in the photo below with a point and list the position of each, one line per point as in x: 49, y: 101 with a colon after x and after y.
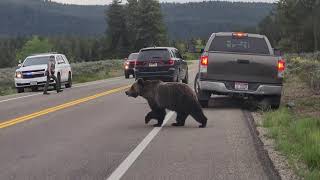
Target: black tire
x: 20, y: 90
x: 69, y: 83
x: 186, y: 78
x: 203, y: 96
x: 275, y: 102
x: 126, y: 75
x: 34, y: 89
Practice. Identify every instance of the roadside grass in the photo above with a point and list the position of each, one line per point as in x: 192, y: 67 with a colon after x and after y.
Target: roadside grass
x: 298, y: 137
x: 296, y: 130
x: 82, y: 72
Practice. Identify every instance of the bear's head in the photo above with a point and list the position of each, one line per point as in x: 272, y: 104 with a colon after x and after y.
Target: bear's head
x: 136, y: 89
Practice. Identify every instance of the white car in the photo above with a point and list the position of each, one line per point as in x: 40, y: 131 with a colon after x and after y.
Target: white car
x: 31, y: 73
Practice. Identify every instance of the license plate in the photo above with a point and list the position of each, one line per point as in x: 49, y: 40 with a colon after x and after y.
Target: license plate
x: 153, y: 64
x: 33, y: 83
x: 241, y: 86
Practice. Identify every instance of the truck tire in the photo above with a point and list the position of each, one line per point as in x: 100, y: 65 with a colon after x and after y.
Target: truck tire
x: 275, y: 102
x: 203, y: 96
x: 126, y: 75
x: 69, y: 83
x: 20, y: 90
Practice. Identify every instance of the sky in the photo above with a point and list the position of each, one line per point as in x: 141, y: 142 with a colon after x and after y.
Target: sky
x: 100, y: 2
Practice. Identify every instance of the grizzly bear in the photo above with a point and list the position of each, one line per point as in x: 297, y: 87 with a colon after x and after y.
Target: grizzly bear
x: 173, y: 96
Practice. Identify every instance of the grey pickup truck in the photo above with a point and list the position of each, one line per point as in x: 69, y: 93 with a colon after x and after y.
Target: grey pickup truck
x: 240, y: 64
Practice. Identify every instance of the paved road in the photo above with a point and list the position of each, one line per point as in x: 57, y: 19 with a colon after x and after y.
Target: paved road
x: 49, y: 138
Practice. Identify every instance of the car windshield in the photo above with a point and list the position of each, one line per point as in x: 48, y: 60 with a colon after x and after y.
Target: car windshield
x: 36, y: 61
x: 133, y: 56
x: 239, y: 45
x: 154, y: 54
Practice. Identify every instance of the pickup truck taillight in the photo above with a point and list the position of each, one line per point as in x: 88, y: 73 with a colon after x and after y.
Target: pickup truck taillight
x: 204, y: 64
x: 281, y: 67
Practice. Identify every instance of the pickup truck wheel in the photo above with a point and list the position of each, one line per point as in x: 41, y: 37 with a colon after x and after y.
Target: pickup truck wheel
x: 34, y: 89
x: 126, y: 75
x: 69, y: 83
x: 275, y: 102
x: 203, y: 96
x: 20, y: 90
x: 186, y: 78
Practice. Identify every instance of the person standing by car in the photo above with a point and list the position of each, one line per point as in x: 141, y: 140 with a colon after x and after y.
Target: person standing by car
x: 50, y: 74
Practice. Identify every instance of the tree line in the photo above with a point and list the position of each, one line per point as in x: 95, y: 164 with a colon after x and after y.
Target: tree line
x: 294, y: 25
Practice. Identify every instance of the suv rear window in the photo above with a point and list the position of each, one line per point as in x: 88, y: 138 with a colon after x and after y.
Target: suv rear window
x: 154, y: 54
x: 250, y: 45
x: 133, y: 56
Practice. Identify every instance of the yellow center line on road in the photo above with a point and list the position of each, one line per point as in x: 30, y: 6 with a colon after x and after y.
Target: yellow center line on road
x: 28, y: 117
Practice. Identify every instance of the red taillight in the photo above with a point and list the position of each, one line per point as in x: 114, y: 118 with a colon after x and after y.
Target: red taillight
x: 171, y: 62
x: 204, y: 60
x: 281, y: 65
x: 138, y: 63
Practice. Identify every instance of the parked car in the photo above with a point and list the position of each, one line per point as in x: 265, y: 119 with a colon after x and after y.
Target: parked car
x: 164, y: 63
x: 129, y: 65
x: 31, y: 73
x: 240, y: 64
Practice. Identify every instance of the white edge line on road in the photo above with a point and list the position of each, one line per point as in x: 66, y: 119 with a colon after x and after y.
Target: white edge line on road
x: 76, y: 86
x: 125, y: 165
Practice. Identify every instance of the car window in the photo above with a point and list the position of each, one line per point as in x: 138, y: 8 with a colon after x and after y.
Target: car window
x: 178, y: 55
x: 65, y: 59
x: 30, y: 61
x: 154, y: 54
x: 172, y: 54
x: 133, y: 56
x: 239, y: 45
x: 60, y: 60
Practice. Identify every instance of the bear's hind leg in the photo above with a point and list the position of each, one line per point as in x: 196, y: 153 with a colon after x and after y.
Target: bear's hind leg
x: 181, y: 119
x: 161, y: 114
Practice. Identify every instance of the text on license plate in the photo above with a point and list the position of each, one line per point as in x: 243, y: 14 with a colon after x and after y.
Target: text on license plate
x: 241, y: 86
x: 153, y: 64
x: 33, y: 83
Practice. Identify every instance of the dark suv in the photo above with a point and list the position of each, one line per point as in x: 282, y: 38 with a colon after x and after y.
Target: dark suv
x: 163, y: 63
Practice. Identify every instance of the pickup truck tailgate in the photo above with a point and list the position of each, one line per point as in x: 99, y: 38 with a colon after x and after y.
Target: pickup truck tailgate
x: 242, y: 68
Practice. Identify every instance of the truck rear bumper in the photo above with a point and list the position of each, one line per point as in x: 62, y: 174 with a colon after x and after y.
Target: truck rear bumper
x: 220, y: 87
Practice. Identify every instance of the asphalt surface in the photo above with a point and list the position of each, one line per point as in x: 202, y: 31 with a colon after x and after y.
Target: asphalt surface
x: 91, y: 139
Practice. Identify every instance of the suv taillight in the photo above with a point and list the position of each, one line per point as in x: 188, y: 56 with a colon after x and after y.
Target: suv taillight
x: 171, y: 62
x: 281, y: 66
x: 204, y: 64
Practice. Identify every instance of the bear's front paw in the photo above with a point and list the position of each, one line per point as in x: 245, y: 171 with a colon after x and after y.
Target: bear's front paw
x: 157, y: 125
x: 176, y: 124
x: 147, y: 119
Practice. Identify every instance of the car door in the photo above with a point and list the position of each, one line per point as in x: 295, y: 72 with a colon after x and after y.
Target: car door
x: 67, y: 66
x: 61, y: 68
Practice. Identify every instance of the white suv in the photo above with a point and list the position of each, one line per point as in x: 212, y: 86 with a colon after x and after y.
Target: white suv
x: 31, y: 73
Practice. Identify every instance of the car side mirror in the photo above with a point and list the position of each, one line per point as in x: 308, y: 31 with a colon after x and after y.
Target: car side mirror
x: 277, y: 52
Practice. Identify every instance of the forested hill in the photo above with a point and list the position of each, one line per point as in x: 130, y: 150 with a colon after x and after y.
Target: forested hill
x: 26, y: 17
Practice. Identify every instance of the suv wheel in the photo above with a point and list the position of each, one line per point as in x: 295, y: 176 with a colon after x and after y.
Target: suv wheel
x: 186, y: 78
x: 69, y: 84
x: 20, y: 90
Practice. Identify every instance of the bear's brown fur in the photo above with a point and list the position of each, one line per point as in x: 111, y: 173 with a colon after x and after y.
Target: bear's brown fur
x: 173, y: 96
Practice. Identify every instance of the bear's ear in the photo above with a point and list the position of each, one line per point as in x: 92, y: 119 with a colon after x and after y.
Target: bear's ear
x: 140, y: 82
